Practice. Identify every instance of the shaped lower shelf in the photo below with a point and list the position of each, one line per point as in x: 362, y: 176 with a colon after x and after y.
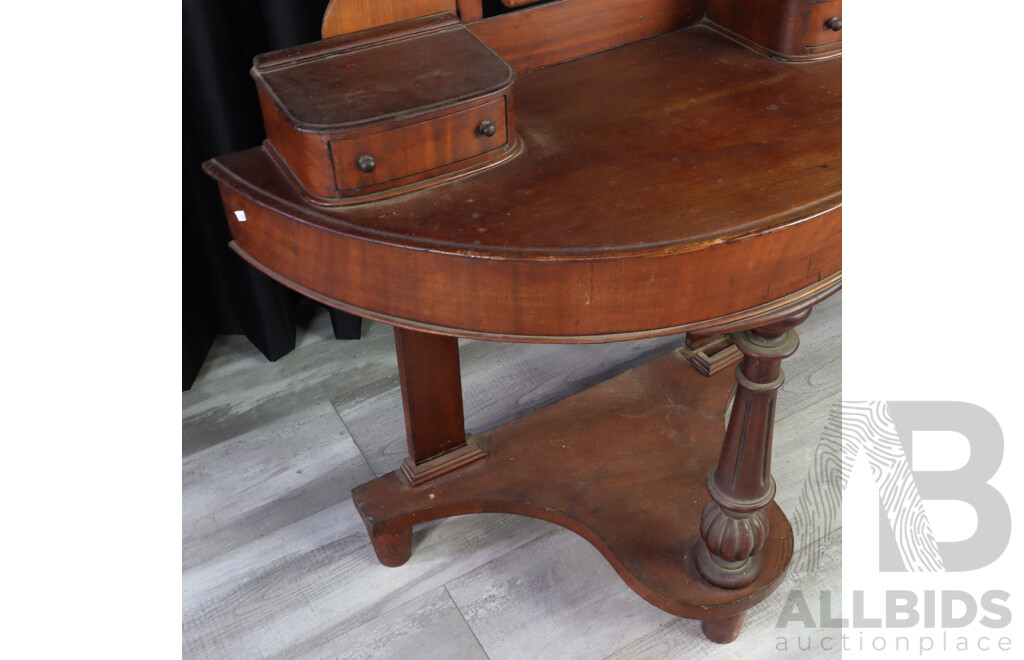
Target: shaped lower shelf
x: 623, y: 464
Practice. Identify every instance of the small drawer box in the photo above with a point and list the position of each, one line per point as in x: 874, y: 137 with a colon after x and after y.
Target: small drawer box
x: 784, y: 29
x: 386, y: 111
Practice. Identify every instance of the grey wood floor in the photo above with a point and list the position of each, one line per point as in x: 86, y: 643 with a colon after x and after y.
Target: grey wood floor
x: 276, y: 562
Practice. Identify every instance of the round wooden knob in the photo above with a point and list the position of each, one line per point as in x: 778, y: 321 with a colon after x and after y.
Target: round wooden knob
x: 486, y: 129
x: 835, y: 23
x: 366, y: 163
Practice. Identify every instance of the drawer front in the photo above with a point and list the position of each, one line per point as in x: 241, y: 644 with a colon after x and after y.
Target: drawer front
x: 818, y: 31
x: 402, y: 152
x: 784, y: 29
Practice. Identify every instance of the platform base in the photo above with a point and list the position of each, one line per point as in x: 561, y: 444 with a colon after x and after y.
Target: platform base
x: 624, y: 465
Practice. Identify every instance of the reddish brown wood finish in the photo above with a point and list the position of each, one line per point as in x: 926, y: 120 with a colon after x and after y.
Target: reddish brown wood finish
x: 470, y: 10
x: 723, y: 631
x: 734, y: 524
x: 428, y: 368
x: 695, y: 340
x: 345, y: 16
x: 326, y: 111
x: 416, y: 149
x: 418, y: 474
x: 624, y: 465
x: 709, y: 354
x: 678, y: 183
x: 610, y: 225
x: 785, y: 29
x: 431, y: 382
x: 393, y: 548
x: 560, y: 31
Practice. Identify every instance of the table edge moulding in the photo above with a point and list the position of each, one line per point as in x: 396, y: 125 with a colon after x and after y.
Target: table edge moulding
x: 571, y: 172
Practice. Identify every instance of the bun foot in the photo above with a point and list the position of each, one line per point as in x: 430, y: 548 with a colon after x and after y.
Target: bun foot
x: 723, y: 631
x: 394, y: 548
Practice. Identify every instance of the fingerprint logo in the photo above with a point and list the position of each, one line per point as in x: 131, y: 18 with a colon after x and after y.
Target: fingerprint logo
x: 854, y: 429
x: 821, y: 498
x: 869, y: 428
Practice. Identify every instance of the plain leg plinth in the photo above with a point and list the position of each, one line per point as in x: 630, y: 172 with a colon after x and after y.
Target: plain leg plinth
x: 623, y: 464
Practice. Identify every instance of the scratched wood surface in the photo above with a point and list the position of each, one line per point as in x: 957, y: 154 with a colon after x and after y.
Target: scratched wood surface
x: 276, y: 562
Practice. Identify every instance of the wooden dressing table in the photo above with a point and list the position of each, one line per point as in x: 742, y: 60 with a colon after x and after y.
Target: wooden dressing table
x: 660, y: 167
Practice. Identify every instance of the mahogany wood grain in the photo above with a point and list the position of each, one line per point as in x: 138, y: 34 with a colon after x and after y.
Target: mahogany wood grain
x: 785, y: 29
x: 419, y: 147
x: 733, y: 524
x: 623, y: 464
x: 393, y: 548
x: 302, y: 150
x: 695, y: 340
x: 734, y: 321
x: 674, y: 182
x: 418, y: 474
x: 610, y: 224
x: 428, y: 368
x: 470, y: 10
x: 723, y: 631
x: 344, y: 16
x: 560, y: 31
x: 326, y: 111
x: 346, y: 74
x: 710, y: 353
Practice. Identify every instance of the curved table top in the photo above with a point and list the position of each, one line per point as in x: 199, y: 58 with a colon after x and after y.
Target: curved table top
x: 681, y: 182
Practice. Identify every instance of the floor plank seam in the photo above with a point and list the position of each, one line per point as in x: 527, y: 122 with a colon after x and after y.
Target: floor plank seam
x: 359, y: 449
x: 461, y: 614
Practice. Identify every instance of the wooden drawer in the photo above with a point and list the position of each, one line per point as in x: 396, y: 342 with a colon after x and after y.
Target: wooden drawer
x: 818, y: 31
x: 784, y: 29
x: 417, y: 149
x: 383, y: 112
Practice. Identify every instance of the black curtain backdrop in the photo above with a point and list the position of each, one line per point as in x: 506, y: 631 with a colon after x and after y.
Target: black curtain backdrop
x: 221, y: 294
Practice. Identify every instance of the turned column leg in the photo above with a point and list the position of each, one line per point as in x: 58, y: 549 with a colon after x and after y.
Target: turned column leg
x: 733, y: 524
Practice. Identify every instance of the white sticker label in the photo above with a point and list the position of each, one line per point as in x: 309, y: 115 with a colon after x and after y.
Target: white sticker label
x: 240, y: 215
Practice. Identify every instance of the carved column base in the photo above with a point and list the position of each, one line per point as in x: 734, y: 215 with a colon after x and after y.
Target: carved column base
x: 726, y: 574
x: 729, y: 557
